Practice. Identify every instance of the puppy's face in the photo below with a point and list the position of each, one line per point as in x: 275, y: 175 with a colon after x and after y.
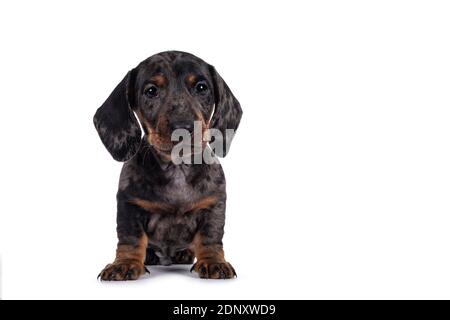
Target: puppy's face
x: 169, y: 91
x: 172, y: 92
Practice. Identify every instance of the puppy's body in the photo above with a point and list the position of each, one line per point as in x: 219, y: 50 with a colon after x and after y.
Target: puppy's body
x: 168, y: 213
x: 174, y: 201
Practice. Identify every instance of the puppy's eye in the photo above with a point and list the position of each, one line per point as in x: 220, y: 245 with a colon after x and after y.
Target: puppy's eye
x: 151, y: 91
x: 201, y: 86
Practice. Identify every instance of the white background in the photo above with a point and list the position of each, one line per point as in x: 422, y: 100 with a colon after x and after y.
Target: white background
x: 338, y: 178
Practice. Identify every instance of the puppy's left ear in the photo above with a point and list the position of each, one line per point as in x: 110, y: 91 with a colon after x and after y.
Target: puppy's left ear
x: 116, y: 123
x: 227, y: 113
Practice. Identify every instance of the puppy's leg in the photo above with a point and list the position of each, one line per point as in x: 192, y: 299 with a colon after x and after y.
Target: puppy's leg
x: 208, y: 248
x: 129, y: 262
x: 131, y: 248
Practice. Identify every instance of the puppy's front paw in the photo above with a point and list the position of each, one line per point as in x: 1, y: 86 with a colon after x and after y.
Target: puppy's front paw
x: 123, y: 270
x: 214, y: 270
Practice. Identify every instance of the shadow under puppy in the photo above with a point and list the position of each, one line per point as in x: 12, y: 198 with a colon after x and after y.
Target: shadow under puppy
x: 168, y: 213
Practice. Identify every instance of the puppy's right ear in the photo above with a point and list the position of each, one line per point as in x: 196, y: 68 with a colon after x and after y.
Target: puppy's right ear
x: 116, y: 123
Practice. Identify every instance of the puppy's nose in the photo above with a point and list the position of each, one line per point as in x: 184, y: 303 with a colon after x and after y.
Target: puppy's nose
x: 186, y: 125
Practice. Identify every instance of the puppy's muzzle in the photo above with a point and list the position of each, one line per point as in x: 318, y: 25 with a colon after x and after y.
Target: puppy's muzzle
x: 185, y: 125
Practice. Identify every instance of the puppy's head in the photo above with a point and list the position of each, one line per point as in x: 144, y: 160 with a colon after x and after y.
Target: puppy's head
x: 168, y: 91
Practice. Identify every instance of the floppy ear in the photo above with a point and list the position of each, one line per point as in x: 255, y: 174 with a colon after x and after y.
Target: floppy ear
x: 116, y: 123
x: 227, y: 113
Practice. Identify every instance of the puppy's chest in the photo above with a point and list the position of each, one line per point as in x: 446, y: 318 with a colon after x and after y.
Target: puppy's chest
x: 173, y: 222
x: 178, y: 191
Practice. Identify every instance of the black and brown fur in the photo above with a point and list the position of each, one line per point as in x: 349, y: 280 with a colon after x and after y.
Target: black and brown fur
x: 167, y: 213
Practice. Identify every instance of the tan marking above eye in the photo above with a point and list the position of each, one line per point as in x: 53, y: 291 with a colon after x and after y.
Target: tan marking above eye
x: 191, y: 79
x: 160, y: 80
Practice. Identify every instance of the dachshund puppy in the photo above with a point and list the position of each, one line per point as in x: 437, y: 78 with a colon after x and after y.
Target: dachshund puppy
x: 168, y: 213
